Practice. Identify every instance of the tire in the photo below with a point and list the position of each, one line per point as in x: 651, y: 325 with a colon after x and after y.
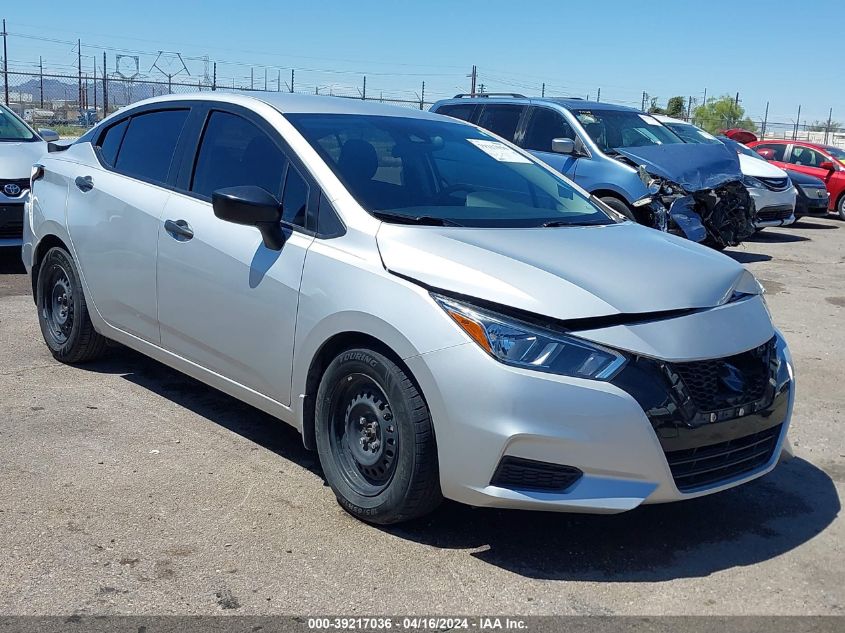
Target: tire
x: 375, y: 439
x: 840, y: 207
x: 62, y: 311
x: 620, y: 207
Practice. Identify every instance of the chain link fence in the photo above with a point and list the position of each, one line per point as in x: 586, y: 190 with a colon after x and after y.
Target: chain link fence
x: 71, y: 104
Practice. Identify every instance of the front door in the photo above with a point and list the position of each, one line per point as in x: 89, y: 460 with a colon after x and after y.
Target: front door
x: 545, y: 124
x: 226, y: 301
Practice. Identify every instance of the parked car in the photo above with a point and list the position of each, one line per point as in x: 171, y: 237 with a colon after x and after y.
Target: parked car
x: 20, y: 147
x: 625, y: 158
x: 438, y: 313
x: 771, y: 190
x: 821, y: 161
x: 813, y: 198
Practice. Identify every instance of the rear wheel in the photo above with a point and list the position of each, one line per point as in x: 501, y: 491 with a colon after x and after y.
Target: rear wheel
x: 375, y: 439
x: 62, y: 312
x: 620, y: 207
x: 840, y: 207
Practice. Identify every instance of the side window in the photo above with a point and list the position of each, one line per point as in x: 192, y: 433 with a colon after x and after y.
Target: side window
x: 806, y: 157
x: 545, y: 124
x: 233, y: 152
x: 149, y: 143
x: 461, y: 111
x: 777, y: 150
x: 501, y: 119
x: 328, y: 223
x: 110, y: 142
x: 295, y: 198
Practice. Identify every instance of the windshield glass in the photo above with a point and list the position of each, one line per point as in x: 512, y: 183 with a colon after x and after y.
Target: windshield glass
x: 691, y: 134
x: 12, y: 128
x: 425, y: 171
x: 612, y: 129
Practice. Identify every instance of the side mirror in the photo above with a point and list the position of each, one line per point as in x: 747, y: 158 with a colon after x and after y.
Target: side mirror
x: 251, y: 206
x: 828, y: 165
x: 563, y: 146
x: 48, y: 134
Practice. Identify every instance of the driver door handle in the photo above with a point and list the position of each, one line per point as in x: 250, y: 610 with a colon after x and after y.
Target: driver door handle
x: 179, y: 230
x: 84, y: 183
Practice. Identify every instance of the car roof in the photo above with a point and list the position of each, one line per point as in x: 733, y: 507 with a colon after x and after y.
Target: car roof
x: 784, y: 141
x: 570, y: 103
x: 293, y: 103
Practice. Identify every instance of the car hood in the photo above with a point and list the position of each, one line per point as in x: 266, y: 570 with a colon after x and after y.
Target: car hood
x: 759, y: 168
x: 569, y: 272
x: 805, y: 180
x: 16, y: 159
x: 694, y: 167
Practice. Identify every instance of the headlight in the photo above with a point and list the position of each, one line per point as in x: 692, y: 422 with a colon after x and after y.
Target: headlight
x: 522, y: 344
x: 752, y: 183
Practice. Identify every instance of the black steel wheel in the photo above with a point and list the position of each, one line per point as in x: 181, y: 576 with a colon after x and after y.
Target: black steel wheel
x: 375, y: 439
x: 62, y: 311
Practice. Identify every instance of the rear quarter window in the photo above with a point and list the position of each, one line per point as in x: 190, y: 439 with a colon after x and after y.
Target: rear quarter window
x: 501, y: 119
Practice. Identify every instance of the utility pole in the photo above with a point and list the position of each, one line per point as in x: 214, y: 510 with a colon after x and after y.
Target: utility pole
x: 827, y: 129
x: 5, y: 65
x: 278, y: 80
x: 94, y: 84
x: 422, y: 97
x: 473, y: 76
x: 765, y: 122
x: 364, y: 93
x: 265, y: 79
x: 797, y: 121
x: 543, y: 90
x: 645, y: 96
x: 689, y: 107
x: 736, y: 101
x: 291, y: 79
x: 41, y: 78
x: 105, y: 88
x: 705, y: 97
x: 79, y: 63
x: 598, y: 96
x: 252, y: 78
x: 214, y: 77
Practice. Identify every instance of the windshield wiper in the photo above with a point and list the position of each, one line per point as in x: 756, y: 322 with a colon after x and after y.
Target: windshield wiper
x: 426, y: 220
x: 554, y: 223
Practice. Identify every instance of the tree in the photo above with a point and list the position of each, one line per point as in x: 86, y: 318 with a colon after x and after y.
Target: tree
x: 721, y: 114
x: 821, y: 126
x: 676, y: 107
x: 653, y: 108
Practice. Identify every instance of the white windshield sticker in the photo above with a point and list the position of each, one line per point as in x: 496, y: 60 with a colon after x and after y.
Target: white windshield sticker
x: 499, y: 151
x: 650, y: 120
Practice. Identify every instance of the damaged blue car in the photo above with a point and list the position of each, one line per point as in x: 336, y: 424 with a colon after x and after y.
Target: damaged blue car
x: 625, y: 158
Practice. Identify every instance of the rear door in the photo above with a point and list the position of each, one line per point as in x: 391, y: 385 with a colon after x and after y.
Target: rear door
x: 502, y: 119
x: 113, y: 211
x: 226, y: 301
x: 542, y: 125
x: 778, y: 151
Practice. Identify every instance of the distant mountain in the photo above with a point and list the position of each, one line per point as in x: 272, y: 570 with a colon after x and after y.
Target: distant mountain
x: 121, y: 92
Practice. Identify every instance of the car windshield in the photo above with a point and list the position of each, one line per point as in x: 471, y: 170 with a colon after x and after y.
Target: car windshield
x: 611, y: 129
x: 691, y: 133
x: 12, y: 128
x: 426, y: 171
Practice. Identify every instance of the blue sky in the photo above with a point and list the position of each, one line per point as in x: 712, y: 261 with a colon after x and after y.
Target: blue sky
x: 621, y: 46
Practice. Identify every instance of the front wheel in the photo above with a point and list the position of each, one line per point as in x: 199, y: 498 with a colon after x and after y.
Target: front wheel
x: 62, y: 311
x: 840, y: 207
x: 620, y: 207
x: 375, y: 439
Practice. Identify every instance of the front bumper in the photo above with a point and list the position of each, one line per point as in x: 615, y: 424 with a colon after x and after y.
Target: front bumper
x: 773, y: 208
x: 812, y: 202
x: 485, y: 411
x: 11, y: 221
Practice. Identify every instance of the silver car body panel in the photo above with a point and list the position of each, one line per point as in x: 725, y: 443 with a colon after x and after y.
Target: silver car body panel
x: 272, y: 316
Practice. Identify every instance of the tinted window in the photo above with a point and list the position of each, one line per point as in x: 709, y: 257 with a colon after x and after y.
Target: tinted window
x: 461, y: 111
x: 806, y: 157
x: 545, y: 125
x: 775, y: 151
x: 501, y: 119
x: 236, y: 152
x: 110, y: 142
x: 149, y: 144
x: 610, y: 129
x: 295, y: 198
x: 444, y: 170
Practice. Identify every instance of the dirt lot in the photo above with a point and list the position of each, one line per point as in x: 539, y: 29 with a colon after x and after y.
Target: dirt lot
x: 128, y: 488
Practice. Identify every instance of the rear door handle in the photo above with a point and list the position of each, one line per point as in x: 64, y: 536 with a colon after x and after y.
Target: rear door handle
x: 179, y: 230
x: 84, y: 183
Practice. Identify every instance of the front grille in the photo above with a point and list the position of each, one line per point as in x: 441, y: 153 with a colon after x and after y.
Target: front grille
x: 727, y: 382
x: 781, y: 212
x: 527, y: 474
x: 776, y: 184
x: 706, y: 465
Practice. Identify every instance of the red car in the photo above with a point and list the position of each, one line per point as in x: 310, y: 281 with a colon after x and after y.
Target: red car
x: 822, y: 161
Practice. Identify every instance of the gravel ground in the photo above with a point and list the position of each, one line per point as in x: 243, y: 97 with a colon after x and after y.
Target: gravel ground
x: 128, y: 488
